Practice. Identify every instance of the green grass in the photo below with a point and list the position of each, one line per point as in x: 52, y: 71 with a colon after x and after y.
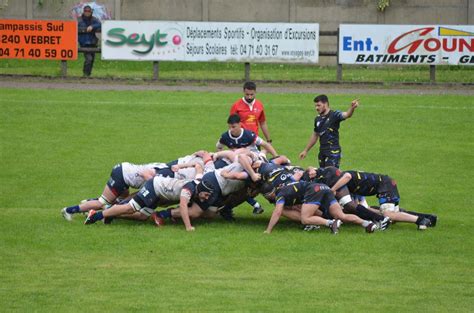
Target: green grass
x: 235, y: 71
x: 58, y: 147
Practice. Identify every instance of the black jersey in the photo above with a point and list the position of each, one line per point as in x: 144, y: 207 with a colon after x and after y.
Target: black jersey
x: 364, y: 184
x: 306, y: 192
x: 292, y: 193
x: 328, y: 175
x: 327, y: 127
x: 276, y: 175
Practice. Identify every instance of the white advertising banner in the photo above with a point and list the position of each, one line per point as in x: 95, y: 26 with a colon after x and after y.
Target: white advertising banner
x: 210, y: 41
x: 406, y: 44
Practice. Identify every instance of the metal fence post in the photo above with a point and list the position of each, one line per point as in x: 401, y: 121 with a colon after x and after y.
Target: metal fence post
x: 156, y: 70
x: 432, y: 74
x: 247, y: 71
x: 63, y: 68
x: 339, y: 66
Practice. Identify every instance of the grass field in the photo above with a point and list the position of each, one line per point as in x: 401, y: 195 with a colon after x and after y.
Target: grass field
x: 58, y: 147
x: 235, y: 71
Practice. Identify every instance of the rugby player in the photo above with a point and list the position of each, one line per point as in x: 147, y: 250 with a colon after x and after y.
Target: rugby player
x: 158, y: 191
x: 122, y: 177
x: 314, y: 197
x: 222, y: 183
x: 326, y: 129
x: 329, y: 176
x: 237, y: 137
x: 385, y: 188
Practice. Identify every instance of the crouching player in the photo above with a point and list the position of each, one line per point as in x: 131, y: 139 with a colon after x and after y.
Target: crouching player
x: 385, y: 188
x: 122, y: 177
x: 158, y: 191
x: 329, y: 176
x: 315, y: 199
x: 220, y: 184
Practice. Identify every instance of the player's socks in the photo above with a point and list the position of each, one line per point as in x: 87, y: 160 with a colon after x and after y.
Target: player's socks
x: 366, y: 214
x: 251, y: 201
x: 164, y: 213
x: 415, y: 213
x: 73, y: 209
x: 227, y: 213
x: 365, y: 223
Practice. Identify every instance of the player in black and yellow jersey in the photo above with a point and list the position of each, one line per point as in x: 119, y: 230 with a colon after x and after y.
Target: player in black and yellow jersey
x: 385, y: 188
x: 318, y: 206
x: 326, y: 129
x: 329, y: 176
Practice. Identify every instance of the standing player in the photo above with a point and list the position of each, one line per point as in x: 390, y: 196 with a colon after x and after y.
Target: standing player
x: 251, y: 111
x: 326, y: 129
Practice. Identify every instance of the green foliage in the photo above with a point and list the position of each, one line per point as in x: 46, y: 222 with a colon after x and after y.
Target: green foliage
x: 382, y: 5
x: 58, y: 147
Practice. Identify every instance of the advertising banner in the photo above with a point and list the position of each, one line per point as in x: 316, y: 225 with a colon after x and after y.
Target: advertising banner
x: 210, y: 41
x: 406, y: 44
x: 33, y: 39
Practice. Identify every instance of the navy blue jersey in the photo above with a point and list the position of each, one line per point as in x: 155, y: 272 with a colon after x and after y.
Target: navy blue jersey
x: 292, y: 193
x: 247, y: 138
x: 276, y: 175
x: 306, y: 192
x: 328, y: 175
x: 327, y: 127
x: 364, y: 184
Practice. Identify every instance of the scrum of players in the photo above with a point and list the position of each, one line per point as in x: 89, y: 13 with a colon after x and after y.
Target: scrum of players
x: 208, y: 185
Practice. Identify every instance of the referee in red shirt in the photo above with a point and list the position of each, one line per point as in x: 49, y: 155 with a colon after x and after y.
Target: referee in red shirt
x: 252, y: 114
x: 251, y: 111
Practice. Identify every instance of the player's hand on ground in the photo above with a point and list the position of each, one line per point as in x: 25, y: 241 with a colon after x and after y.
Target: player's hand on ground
x: 191, y: 228
x: 267, y: 232
x: 303, y: 155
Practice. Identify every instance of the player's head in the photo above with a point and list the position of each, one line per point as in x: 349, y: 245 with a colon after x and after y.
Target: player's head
x: 204, y: 191
x: 250, y: 89
x: 310, y: 174
x: 234, y: 124
x: 321, y: 103
x: 268, y: 191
